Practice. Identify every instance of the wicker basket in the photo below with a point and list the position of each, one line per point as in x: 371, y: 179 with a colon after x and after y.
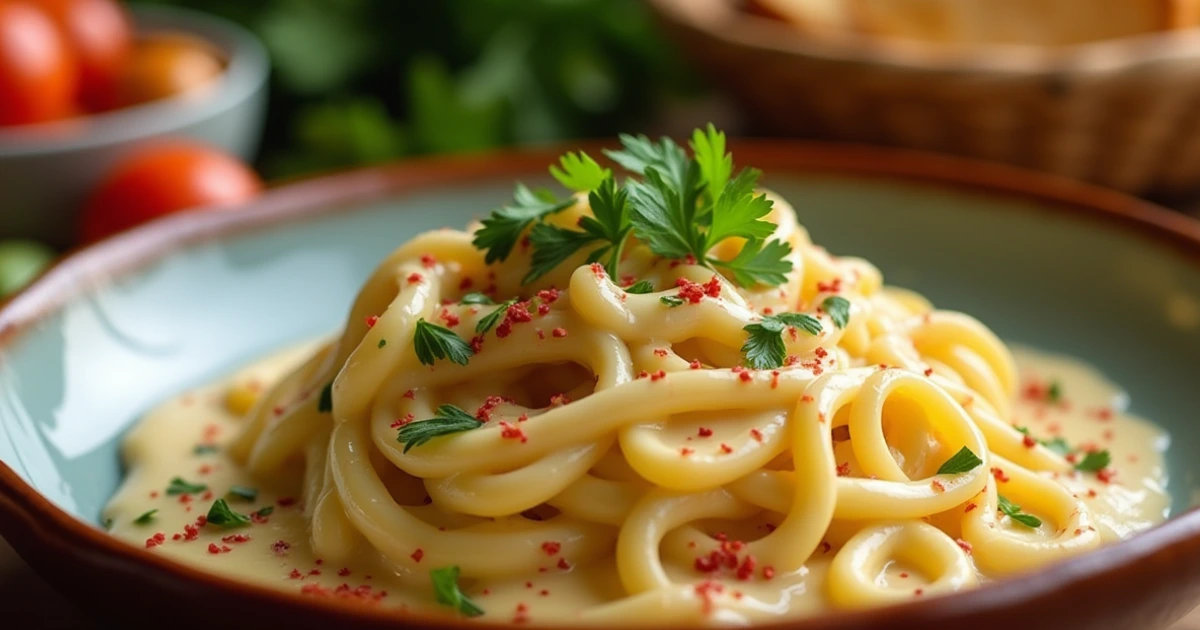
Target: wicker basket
x: 1123, y: 114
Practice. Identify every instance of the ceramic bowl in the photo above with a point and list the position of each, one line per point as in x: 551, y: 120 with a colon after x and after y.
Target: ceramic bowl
x: 116, y: 328
x: 47, y: 170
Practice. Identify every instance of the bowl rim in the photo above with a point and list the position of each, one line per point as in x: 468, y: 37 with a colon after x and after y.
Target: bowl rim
x: 247, y: 69
x: 721, y: 20
x: 1176, y: 542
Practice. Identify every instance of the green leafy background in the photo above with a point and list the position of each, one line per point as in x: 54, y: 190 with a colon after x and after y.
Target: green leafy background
x: 365, y: 81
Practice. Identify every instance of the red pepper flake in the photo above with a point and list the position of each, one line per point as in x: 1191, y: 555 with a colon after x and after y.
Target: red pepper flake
x: 970, y: 506
x: 543, y: 309
x: 315, y: 571
x: 210, y: 433
x: 1028, y: 441
x: 821, y: 352
x: 295, y: 575
x: 692, y: 292
x: 791, y: 360
x: 154, y: 494
x: 408, y: 418
x: 1102, y: 414
x: 685, y: 451
x: 414, y: 278
x: 746, y: 570
x: 156, y: 540
x: 1108, y: 435
x: 410, y: 394
x: 904, y: 576
x: 745, y: 376
x: 476, y: 345
x: 660, y: 352
x: 725, y: 448
x: 712, y: 288
x: 1091, y: 493
x: 658, y: 376
x: 704, y: 432
x: 1105, y: 475
x: 807, y: 398
x: 843, y: 469
x: 707, y: 591
x: 451, y: 319
x: 484, y: 413
x: 833, y: 286
x: 966, y: 546
x: 522, y: 614
x: 559, y: 333
x: 236, y: 538
x: 598, y: 270
x: 826, y: 547
x: 540, y: 333
x: 512, y: 432
x: 214, y: 549
x: 559, y: 400
x: 280, y: 547
x: 756, y: 434
x: 205, y: 469
x: 529, y: 585
x: 919, y: 592
x: 768, y: 572
x: 371, y: 320
x: 185, y: 498
x: 523, y: 417
x: 563, y: 564
x: 417, y: 555
x: 928, y: 371
x: 344, y: 571
x: 548, y: 296
x: 694, y: 365
x: 428, y: 261
x: 465, y: 284
x: 551, y: 548
x: 998, y: 473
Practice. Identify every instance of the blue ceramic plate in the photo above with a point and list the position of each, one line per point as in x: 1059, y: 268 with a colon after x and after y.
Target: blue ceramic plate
x: 115, y: 329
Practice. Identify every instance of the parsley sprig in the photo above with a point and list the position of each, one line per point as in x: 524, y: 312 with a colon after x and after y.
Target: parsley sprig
x: 609, y: 227
x: 222, y: 515
x: 1013, y: 511
x: 447, y: 420
x: 1094, y: 461
x: 432, y: 342
x: 764, y: 348
x: 502, y: 230
x: 448, y: 593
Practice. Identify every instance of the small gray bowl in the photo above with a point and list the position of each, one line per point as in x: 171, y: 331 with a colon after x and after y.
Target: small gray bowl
x: 47, y: 170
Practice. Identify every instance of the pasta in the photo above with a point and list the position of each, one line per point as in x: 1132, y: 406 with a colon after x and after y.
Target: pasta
x: 617, y: 429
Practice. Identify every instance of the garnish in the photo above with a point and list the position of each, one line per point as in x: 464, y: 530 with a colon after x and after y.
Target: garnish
x: 502, y: 230
x: 265, y: 511
x: 1058, y: 445
x: 203, y: 449
x: 838, y: 309
x: 1094, y: 461
x: 579, y: 172
x: 764, y: 348
x: 145, y: 519
x: 490, y: 320
x: 325, y: 405
x: 671, y: 301
x: 609, y: 227
x: 107, y: 524
x: 475, y: 298
x: 432, y: 342
x: 244, y: 493
x: 638, y: 288
x: 965, y: 460
x: 179, y: 486
x: 448, y: 419
x: 220, y: 514
x: 381, y: 344
x: 447, y: 592
x: 715, y: 164
x: 1013, y: 511
x: 1054, y: 392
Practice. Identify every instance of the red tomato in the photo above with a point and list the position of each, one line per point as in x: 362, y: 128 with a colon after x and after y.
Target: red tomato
x: 164, y: 179
x: 101, y: 34
x: 38, y: 72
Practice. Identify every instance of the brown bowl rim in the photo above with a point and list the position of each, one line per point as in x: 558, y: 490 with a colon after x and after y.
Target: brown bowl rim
x: 1178, y: 539
x: 721, y: 20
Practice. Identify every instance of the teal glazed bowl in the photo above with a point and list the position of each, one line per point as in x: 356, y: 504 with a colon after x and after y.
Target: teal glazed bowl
x: 116, y: 328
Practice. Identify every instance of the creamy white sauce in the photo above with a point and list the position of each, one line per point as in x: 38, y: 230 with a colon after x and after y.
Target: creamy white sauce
x: 274, y: 550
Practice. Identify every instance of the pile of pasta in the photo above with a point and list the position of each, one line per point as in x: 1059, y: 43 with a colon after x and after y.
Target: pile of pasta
x: 626, y: 427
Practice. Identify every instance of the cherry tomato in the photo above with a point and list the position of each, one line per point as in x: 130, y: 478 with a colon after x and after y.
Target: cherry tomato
x: 101, y: 35
x: 38, y: 71
x: 164, y: 179
x: 167, y: 64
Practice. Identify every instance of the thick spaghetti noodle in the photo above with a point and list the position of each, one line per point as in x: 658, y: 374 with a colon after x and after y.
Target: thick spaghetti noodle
x: 659, y: 441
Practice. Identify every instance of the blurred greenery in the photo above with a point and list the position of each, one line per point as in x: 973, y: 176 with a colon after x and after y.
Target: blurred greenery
x: 363, y: 81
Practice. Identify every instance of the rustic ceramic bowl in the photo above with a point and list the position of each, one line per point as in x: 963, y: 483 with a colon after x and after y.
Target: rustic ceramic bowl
x: 116, y: 328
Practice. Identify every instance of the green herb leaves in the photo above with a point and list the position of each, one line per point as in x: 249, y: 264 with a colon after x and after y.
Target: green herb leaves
x: 222, y: 515
x: 448, y: 593
x: 146, y: 518
x: 682, y: 208
x: 243, y: 493
x: 432, y: 342
x: 764, y: 348
x: 448, y: 419
x: 965, y: 460
x: 475, y: 298
x: 489, y: 321
x: 1013, y: 511
x: 1094, y: 461
x: 640, y: 287
x: 838, y: 309
x: 179, y: 486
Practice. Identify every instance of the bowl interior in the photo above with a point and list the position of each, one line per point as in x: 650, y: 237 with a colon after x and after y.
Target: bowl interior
x: 1061, y: 281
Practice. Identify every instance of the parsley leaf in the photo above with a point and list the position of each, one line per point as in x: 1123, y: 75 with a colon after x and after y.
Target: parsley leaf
x: 671, y: 300
x: 145, y: 519
x: 965, y: 460
x: 220, y: 514
x: 204, y: 449
x: 1054, y: 393
x: 432, y: 342
x: 1013, y: 511
x: 1094, y: 461
x: 664, y: 214
x: 1058, y: 445
x: 838, y: 309
x: 179, y: 486
x: 640, y: 155
x: 325, y: 405
x: 447, y: 592
x: 490, y: 320
x: 737, y: 212
x: 448, y: 419
x: 381, y: 344
x: 758, y: 263
x: 552, y: 245
x: 503, y: 228
x: 579, y: 172
x: 764, y: 347
x: 265, y: 511
x: 610, y: 222
x: 640, y: 287
x: 475, y: 298
x: 716, y: 165
x: 243, y: 492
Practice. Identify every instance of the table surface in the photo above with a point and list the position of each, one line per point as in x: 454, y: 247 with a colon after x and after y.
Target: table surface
x: 21, y: 589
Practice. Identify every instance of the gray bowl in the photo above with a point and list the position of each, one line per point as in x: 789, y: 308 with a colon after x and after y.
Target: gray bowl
x: 47, y: 170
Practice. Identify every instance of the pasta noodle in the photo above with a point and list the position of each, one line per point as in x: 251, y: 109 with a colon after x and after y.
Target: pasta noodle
x: 622, y: 443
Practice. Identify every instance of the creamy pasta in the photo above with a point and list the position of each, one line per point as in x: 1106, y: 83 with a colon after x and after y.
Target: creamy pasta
x: 640, y: 437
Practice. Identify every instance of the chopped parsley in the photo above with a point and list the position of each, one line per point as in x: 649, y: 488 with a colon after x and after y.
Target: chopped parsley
x: 204, y: 449
x: 764, y: 348
x: 179, y: 486
x: 448, y: 593
x: 475, y: 298
x: 1094, y: 461
x: 965, y: 460
x: 382, y: 343
x: 447, y: 420
x: 432, y: 342
x: 222, y: 515
x: 640, y: 287
x: 838, y: 309
x: 1013, y: 511
x: 265, y: 511
x: 489, y: 321
x: 671, y: 300
x: 1056, y: 444
x: 244, y: 493
x: 146, y: 518
x: 1054, y: 393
